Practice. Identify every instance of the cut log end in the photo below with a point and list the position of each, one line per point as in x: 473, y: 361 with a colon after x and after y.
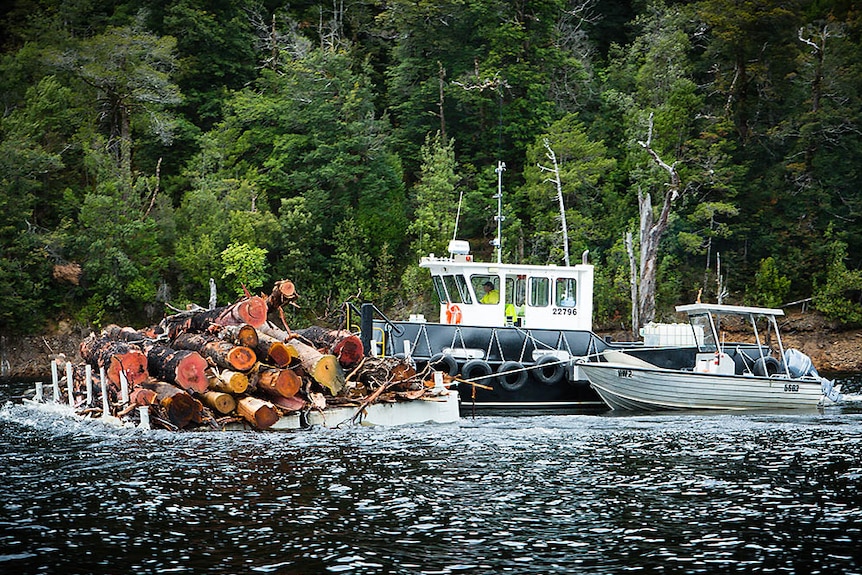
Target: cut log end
x: 281, y: 355
x: 280, y: 382
x: 133, y: 363
x: 247, y: 335
x: 328, y: 373
x: 261, y: 414
x: 241, y: 358
x: 349, y: 351
x: 253, y: 311
x: 191, y: 373
x: 222, y: 402
x: 229, y: 382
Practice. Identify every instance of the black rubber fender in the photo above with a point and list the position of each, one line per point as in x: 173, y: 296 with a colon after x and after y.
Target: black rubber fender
x: 549, y: 369
x: 445, y: 363
x: 477, y: 368
x: 511, y: 381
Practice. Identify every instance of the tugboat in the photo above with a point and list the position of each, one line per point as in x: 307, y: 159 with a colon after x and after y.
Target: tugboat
x: 511, y: 334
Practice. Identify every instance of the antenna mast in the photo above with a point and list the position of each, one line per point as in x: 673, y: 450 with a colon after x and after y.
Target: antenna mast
x: 498, y: 241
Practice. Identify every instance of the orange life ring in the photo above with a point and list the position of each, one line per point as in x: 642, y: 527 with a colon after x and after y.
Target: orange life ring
x: 453, y: 314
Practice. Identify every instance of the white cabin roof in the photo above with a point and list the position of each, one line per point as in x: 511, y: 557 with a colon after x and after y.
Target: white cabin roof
x: 699, y: 308
x: 494, y: 267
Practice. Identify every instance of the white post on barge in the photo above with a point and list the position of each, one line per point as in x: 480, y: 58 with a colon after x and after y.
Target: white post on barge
x: 144, y: 411
x: 106, y: 406
x: 124, y: 388
x: 88, y: 375
x: 55, y: 378
x: 70, y: 381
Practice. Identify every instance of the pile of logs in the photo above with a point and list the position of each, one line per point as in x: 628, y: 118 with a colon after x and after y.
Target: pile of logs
x: 208, y: 368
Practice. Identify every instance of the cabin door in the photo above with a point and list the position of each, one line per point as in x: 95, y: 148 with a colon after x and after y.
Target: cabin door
x: 516, y: 298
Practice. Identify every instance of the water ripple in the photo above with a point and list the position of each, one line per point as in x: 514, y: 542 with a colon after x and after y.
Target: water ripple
x: 681, y: 493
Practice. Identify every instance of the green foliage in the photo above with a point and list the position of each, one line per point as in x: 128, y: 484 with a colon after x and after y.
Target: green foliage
x: 128, y: 71
x: 839, y: 297
x: 582, y: 165
x: 352, y: 267
x: 142, y: 144
x: 770, y: 288
x: 244, y: 267
x: 436, y: 198
x: 123, y: 261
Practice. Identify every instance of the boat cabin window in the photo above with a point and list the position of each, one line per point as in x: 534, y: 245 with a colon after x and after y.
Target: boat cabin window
x: 540, y: 292
x: 566, y: 292
x: 487, y: 288
x: 452, y: 289
x: 516, y: 290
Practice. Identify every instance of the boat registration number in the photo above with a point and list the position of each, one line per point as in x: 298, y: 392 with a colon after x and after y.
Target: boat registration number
x: 791, y: 387
x: 564, y: 311
x: 624, y: 373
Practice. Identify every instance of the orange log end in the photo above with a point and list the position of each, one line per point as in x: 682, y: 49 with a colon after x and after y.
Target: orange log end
x: 241, y: 358
x: 247, y: 336
x: 281, y: 355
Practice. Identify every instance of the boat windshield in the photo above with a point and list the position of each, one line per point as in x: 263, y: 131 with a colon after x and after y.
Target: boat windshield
x: 452, y: 289
x: 704, y: 322
x: 487, y: 287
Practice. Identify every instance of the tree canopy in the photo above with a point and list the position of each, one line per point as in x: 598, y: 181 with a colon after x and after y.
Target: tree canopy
x: 147, y: 147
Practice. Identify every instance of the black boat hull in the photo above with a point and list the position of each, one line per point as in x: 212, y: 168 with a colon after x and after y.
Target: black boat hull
x: 507, y: 362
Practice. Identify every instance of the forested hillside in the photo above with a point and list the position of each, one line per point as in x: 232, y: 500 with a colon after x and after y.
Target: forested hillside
x: 148, y: 146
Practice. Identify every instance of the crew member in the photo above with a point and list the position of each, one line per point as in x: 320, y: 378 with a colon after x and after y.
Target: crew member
x: 492, y: 296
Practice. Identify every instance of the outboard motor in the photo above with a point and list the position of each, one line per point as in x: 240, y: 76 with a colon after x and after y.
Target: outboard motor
x: 799, y: 364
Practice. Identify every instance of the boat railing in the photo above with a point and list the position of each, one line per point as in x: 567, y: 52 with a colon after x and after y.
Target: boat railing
x: 366, y: 323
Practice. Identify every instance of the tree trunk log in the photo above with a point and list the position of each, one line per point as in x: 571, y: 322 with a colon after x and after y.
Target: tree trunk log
x: 251, y: 311
x: 284, y: 292
x: 229, y: 382
x: 179, y: 407
x: 182, y: 367
x: 224, y: 354
x: 127, y: 334
x: 244, y: 335
x: 324, y: 369
x: 276, y: 352
x: 261, y: 414
x: 274, y: 332
x: 115, y: 356
x: 341, y: 343
x: 224, y: 403
x: 294, y: 403
x: 280, y: 382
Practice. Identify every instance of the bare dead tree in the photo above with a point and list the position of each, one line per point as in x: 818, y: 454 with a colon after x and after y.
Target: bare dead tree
x: 633, y: 282
x: 651, y: 232
x: 555, y: 179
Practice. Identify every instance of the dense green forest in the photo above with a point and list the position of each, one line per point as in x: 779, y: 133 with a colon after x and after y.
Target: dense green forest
x: 148, y: 146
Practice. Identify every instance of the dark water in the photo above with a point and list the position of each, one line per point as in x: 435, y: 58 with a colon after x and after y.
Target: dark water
x: 676, y: 493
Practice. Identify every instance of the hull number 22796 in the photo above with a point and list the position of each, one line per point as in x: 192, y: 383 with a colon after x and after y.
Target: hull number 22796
x: 564, y: 311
